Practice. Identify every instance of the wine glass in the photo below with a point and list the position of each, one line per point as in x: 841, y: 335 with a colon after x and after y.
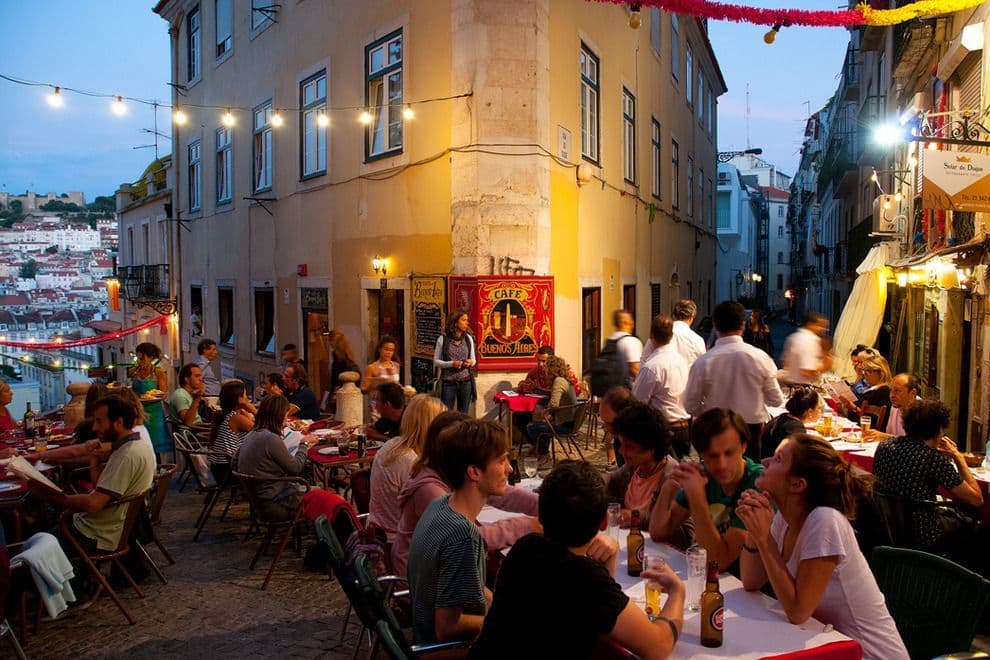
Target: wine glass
x: 529, y: 466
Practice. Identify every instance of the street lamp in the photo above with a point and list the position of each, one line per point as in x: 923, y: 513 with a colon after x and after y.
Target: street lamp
x: 726, y: 156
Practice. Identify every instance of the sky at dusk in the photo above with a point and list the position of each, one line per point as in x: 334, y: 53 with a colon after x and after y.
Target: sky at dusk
x: 121, y: 47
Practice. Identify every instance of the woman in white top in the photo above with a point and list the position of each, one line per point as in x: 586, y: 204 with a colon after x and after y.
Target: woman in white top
x: 394, y: 461
x: 807, y: 549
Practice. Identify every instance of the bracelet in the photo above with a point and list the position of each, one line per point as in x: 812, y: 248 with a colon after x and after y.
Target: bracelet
x: 673, y: 626
x: 749, y: 548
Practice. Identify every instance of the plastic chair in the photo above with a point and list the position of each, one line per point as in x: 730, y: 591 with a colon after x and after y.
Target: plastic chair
x: 935, y: 603
x: 186, y: 443
x: 567, y: 438
x: 251, y: 484
x: 900, y: 517
x: 133, y: 506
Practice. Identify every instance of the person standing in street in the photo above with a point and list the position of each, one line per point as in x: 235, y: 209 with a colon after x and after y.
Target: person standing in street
x: 661, y: 383
x: 209, y: 363
x: 686, y: 341
x: 627, y: 345
x: 803, y: 357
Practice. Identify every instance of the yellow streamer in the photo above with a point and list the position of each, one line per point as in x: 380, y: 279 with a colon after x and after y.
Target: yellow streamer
x: 923, y: 9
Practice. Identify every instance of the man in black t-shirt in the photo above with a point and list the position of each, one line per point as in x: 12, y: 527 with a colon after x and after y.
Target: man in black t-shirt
x: 564, y: 580
x: 391, y: 405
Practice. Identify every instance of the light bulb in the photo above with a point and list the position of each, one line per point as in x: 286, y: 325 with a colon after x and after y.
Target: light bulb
x: 873, y: 177
x: 886, y: 204
x: 277, y: 120
x: 118, y: 107
x: 407, y: 113
x: 322, y: 119
x: 932, y: 146
x: 365, y: 117
x: 55, y: 98
x: 84, y: 366
x: 179, y: 117
x: 898, y: 197
x: 635, y: 20
x: 771, y: 36
x: 912, y: 162
x: 228, y: 119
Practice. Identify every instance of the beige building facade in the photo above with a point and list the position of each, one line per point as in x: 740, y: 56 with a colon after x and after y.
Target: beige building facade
x: 520, y: 137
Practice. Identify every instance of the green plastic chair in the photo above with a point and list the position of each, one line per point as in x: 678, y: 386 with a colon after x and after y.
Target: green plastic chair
x: 935, y: 602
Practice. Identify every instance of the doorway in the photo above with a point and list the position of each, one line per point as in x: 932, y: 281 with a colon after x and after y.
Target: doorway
x: 386, y: 316
x: 315, y: 312
x: 591, y: 325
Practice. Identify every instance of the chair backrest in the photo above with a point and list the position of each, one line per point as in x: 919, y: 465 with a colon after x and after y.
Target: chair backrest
x: 580, y: 413
x: 361, y: 489
x: 252, y: 487
x: 878, y: 413
x: 360, y: 601
x: 195, y: 458
x: 935, y: 603
x: 160, y: 490
x: 901, y: 517
x: 389, y: 641
x: 185, y: 438
x: 133, y: 504
x: 374, y: 596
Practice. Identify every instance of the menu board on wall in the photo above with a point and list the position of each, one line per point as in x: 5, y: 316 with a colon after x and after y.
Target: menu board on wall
x: 429, y: 298
x: 511, y: 317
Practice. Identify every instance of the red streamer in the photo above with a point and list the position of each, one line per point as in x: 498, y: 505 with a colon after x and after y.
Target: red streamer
x: 721, y: 11
x: 161, y: 321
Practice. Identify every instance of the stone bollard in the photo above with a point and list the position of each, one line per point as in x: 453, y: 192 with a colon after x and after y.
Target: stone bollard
x: 350, y: 400
x: 75, y: 409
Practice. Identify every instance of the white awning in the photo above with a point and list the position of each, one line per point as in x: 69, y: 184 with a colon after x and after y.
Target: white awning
x: 863, y: 314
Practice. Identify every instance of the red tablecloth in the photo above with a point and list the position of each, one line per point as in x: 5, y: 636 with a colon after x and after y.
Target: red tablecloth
x: 850, y: 650
x: 332, y: 459
x: 521, y: 402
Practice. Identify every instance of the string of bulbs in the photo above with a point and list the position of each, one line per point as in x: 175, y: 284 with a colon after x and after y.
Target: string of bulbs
x: 56, y: 100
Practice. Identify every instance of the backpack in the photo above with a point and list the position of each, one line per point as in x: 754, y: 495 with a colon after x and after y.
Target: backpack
x: 608, y: 370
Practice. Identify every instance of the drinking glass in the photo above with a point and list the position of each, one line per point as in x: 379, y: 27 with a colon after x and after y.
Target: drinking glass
x: 652, y: 561
x: 697, y: 566
x: 614, y: 519
x: 529, y: 466
x: 864, y: 423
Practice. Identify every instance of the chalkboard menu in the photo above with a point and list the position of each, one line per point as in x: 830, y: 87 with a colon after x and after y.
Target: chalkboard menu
x: 428, y: 299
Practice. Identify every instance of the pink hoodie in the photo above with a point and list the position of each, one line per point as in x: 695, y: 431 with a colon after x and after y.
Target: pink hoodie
x: 422, y: 488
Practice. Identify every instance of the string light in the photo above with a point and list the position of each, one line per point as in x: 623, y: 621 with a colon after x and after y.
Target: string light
x: 277, y: 119
x: 635, y: 20
x: 771, y: 36
x: 365, y: 117
x: 228, y: 119
x: 322, y: 119
x: 55, y: 98
x: 118, y: 107
x: 179, y: 117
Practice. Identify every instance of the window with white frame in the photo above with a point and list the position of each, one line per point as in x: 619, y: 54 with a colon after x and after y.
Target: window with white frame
x: 589, y: 104
x: 701, y: 195
x: 195, y: 154
x: 225, y: 315
x: 711, y: 113
x: 689, y: 73
x: 224, y: 26
x: 264, y: 321
x: 701, y: 96
x: 690, y: 186
x: 263, y: 147
x: 675, y: 48
x: 383, y: 95
x: 194, y: 41
x: 780, y: 210
x: 628, y: 136
x: 780, y: 231
x: 262, y: 13
x: 655, y: 24
x: 225, y: 164
x: 675, y: 174
x: 655, y: 154
x: 711, y: 204
x: 313, y: 125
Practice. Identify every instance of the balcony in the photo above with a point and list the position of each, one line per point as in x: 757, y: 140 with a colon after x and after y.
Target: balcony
x: 144, y: 283
x: 913, y: 42
x: 850, y: 77
x: 873, y: 36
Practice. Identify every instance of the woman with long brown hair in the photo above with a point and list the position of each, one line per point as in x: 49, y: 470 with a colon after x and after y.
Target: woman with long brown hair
x: 343, y: 358
x: 454, y: 356
x: 808, y: 551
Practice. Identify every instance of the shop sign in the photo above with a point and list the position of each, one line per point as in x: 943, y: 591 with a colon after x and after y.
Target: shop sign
x: 956, y: 181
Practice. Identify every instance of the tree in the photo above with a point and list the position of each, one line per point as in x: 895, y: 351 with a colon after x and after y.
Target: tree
x: 60, y: 206
x: 51, y: 249
x: 13, y: 214
x: 28, y: 270
x: 102, y: 204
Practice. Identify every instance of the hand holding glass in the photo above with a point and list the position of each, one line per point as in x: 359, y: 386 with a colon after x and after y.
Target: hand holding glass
x: 652, y: 587
x: 614, y: 519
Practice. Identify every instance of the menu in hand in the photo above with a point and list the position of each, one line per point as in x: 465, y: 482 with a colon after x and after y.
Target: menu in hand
x: 21, y: 468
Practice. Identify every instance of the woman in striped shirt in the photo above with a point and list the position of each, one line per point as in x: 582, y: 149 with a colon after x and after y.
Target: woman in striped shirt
x: 236, y: 418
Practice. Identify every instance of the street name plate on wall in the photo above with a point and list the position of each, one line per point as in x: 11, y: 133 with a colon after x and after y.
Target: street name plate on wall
x: 511, y: 316
x: 955, y: 181
x: 429, y: 299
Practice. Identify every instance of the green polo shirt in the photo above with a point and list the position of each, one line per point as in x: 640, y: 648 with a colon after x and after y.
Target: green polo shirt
x: 722, y: 506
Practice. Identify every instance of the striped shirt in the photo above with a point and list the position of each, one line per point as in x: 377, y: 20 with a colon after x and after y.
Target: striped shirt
x: 227, y: 441
x: 446, y: 567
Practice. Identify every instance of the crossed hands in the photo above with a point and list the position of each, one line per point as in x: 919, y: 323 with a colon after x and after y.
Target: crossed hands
x: 689, y: 477
x: 756, y: 512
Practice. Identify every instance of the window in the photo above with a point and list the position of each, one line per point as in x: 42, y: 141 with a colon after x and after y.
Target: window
x: 780, y: 281
x: 264, y: 321
x: 225, y: 162
x: 383, y: 96
x: 196, y: 308
x: 701, y: 194
x: 194, y: 37
x: 675, y: 48
x: 146, y: 234
x: 711, y: 205
x: 195, y: 154
x: 780, y: 211
x: 711, y: 113
x: 589, y: 104
x: 224, y: 25
x: 313, y: 124
x: 628, y: 136
x: 675, y: 174
x: 655, y: 25
x: 130, y: 244
x: 690, y: 186
x: 655, y: 158
x: 263, y: 147
x: 780, y: 231
x: 591, y: 324
x: 780, y: 257
x: 655, y: 291
x: 225, y: 314
x: 629, y: 300
x: 262, y: 13
x: 689, y: 73
x: 701, y: 96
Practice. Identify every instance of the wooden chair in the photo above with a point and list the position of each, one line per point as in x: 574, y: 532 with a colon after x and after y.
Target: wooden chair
x: 6, y: 630
x: 251, y: 485
x: 159, y: 490
x: 878, y: 415
x: 92, y: 562
x: 360, y: 485
x: 580, y: 411
x: 900, y: 518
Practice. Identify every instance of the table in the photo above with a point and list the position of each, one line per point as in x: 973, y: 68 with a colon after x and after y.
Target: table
x: 755, y: 624
x: 519, y: 403
x: 324, y: 464
x: 12, y: 498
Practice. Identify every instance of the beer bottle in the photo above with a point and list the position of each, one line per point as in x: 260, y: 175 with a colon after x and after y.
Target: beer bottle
x: 634, y: 546
x: 29, y: 416
x: 712, y: 609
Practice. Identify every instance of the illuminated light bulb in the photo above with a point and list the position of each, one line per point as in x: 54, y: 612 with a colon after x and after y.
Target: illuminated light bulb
x: 118, y: 107
x: 179, y: 117
x: 57, y: 363
x: 902, y: 279
x: 407, y: 113
x: 228, y: 119
x: 873, y: 177
x: 886, y: 204
x: 365, y: 117
x: 932, y: 146
x: 277, y: 120
x: 24, y: 357
x: 55, y: 98
x: 84, y: 366
x: 912, y: 162
x: 322, y: 119
x: 898, y: 197
x: 144, y: 332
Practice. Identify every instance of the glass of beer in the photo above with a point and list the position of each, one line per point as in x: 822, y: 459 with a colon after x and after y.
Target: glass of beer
x: 865, y: 421
x: 652, y: 562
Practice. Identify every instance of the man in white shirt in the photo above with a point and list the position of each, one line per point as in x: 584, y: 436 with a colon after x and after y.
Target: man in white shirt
x: 803, y: 358
x: 734, y: 375
x: 629, y: 347
x: 686, y: 341
x: 661, y: 382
